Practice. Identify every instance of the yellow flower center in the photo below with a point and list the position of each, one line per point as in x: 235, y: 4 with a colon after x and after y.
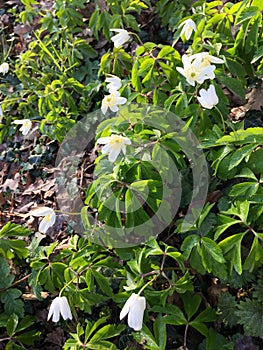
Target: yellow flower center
x: 47, y: 218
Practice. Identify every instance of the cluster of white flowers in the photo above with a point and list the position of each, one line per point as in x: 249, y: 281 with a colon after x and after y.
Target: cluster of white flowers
x: 198, y: 67
x: 134, y: 308
x: 114, y: 99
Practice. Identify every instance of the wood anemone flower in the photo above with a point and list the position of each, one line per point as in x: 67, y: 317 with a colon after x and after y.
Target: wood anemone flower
x: 134, y: 308
x: 121, y: 38
x: 114, y: 145
x: 59, y: 306
x: 48, y: 220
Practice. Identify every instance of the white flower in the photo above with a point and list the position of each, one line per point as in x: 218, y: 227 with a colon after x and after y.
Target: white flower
x: 48, y: 220
x: 204, y: 59
x: 134, y: 307
x: 121, y: 38
x: 114, y: 144
x: 111, y: 101
x: 26, y: 125
x: 114, y: 83
x: 188, y: 27
x: 59, y: 306
x: 208, y: 98
x: 4, y: 68
x: 194, y: 72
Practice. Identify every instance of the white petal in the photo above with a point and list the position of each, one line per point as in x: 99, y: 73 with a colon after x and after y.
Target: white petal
x: 103, y: 140
x: 114, y: 108
x: 106, y: 149
x: 18, y: 122
x: 127, y: 305
x: 121, y: 100
x: 135, y: 316
x: 214, y: 59
x: 43, y: 211
x: 104, y: 109
x: 54, y: 310
x: 180, y: 70
x: 43, y: 226
x: 65, y: 309
x: 113, y: 155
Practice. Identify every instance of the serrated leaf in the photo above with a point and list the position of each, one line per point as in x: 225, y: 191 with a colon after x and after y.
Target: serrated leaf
x: 231, y: 247
x: 250, y: 316
x: 12, y: 229
x: 107, y: 332
x: 103, y: 282
x: 224, y: 223
x: 240, y: 154
x: 227, y: 307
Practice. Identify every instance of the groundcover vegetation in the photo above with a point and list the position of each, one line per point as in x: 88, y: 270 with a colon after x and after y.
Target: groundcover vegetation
x: 131, y: 174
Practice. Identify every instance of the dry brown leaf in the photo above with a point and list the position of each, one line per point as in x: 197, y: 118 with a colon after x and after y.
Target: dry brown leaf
x: 12, y: 184
x: 255, y: 98
x: 31, y: 296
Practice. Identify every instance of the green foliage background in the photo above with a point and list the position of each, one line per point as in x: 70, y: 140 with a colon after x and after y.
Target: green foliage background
x: 55, y: 81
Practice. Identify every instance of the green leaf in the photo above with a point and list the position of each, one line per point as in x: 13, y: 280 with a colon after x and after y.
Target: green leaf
x: 160, y: 332
x: 12, y: 304
x: 11, y: 325
x: 240, y: 154
x: 106, y: 332
x: 250, y: 316
x: 258, y: 54
x: 234, y: 85
x: 224, y: 223
x: 103, y: 282
x: 12, y: 229
x: 255, y: 256
x: 188, y: 244
x: 145, y: 335
x: 244, y: 189
x: 231, y: 247
x: 247, y: 13
x: 208, y: 315
x: 200, y: 327
x: 6, y: 278
x: 191, y: 303
x: 177, y: 318
x: 209, y: 249
x: 28, y: 338
x: 227, y: 307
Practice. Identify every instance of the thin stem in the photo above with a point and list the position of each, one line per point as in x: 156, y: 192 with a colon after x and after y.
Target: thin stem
x: 137, y: 37
x: 148, y: 283
x: 16, y: 283
x: 222, y: 118
x: 185, y: 335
